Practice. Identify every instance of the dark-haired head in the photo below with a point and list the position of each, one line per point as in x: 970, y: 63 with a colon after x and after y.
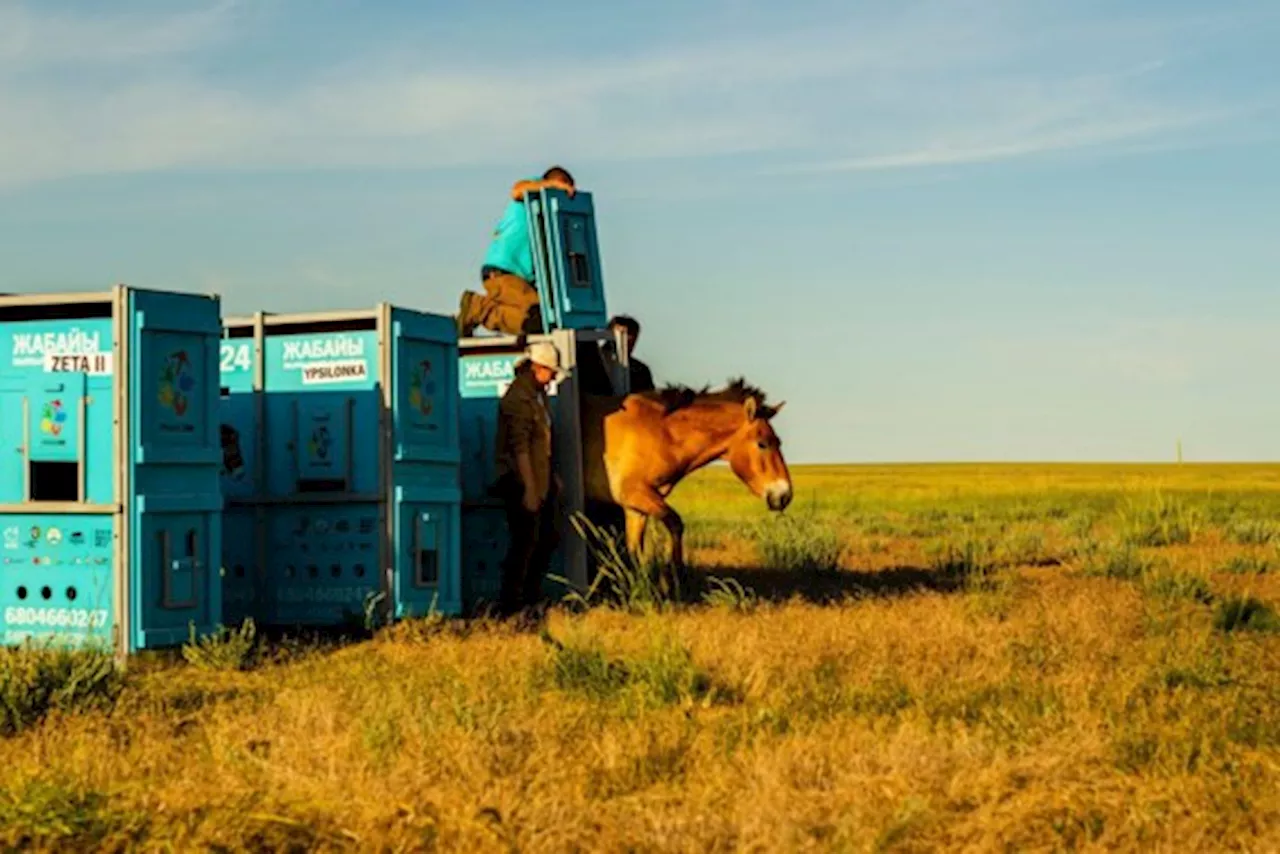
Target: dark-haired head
x: 630, y: 326
x: 558, y: 173
x: 627, y: 322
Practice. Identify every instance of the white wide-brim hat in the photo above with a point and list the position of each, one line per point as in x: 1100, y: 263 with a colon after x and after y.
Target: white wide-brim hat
x: 544, y: 353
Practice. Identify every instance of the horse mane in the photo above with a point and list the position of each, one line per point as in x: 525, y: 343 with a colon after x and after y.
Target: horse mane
x: 675, y: 397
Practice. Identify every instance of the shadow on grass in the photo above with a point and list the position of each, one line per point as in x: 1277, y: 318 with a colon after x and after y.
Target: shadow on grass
x: 825, y: 588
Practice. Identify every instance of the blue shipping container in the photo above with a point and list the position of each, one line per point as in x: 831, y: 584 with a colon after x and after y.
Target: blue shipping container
x: 341, y: 466
x: 111, y: 507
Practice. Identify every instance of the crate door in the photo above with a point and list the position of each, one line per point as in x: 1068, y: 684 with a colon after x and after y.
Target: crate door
x: 177, y: 565
x: 425, y: 463
x: 427, y: 559
x: 424, y: 378
x: 567, y: 259
x: 176, y: 458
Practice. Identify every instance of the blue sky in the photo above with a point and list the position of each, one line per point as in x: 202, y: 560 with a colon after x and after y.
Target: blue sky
x: 940, y: 230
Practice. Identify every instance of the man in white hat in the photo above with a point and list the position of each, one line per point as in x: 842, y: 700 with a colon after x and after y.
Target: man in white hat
x: 526, y: 479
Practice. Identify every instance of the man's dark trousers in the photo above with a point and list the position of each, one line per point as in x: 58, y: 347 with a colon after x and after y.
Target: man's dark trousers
x: 532, y: 540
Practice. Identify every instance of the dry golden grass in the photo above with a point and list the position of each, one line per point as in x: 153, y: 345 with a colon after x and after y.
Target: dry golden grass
x: 989, y: 669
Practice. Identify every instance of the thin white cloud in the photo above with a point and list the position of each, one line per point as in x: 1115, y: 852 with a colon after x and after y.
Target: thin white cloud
x: 1015, y: 145
x: 929, y: 83
x: 38, y: 39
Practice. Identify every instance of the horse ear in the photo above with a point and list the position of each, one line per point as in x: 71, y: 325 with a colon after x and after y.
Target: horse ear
x: 778, y: 408
x: 751, y: 407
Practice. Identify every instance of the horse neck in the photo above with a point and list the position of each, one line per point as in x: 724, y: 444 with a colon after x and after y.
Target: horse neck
x: 702, y: 433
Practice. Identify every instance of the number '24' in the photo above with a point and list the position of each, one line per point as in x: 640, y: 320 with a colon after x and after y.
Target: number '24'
x: 235, y: 357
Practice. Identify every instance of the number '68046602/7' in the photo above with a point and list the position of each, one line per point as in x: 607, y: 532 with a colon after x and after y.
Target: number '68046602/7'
x: 80, y: 618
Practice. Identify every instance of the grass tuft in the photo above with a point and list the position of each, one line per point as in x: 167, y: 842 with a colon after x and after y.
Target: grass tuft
x: 622, y: 581
x: 224, y: 649
x: 729, y: 594
x: 1159, y: 520
x: 55, y: 816
x: 1248, y: 565
x: 1179, y: 585
x: 37, y: 680
x: 1253, y: 532
x: 1245, y: 613
x: 663, y: 674
x: 798, y: 542
x: 1123, y: 561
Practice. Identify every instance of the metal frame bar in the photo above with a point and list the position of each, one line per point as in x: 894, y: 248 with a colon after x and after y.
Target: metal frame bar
x: 386, y: 446
x: 270, y: 318
x: 82, y: 446
x: 259, y: 459
x: 63, y: 508
x: 61, y: 298
x: 26, y: 451
x: 122, y: 355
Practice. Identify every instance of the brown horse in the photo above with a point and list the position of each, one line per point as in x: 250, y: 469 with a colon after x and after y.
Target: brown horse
x: 637, y: 448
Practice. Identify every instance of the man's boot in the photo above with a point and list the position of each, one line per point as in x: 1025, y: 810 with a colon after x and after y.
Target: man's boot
x: 466, y: 316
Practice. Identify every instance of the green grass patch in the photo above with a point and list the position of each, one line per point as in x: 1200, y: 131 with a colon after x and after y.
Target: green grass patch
x: 46, y: 815
x: 664, y: 674
x: 37, y: 680
x: 798, y: 542
x: 1123, y: 561
x: 1158, y: 521
x: 1245, y: 613
x: 224, y: 649
x: 1179, y: 585
x: 1253, y: 532
x: 1248, y: 565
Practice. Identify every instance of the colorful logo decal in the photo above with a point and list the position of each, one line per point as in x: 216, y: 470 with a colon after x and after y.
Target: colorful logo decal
x: 320, y: 442
x: 177, y: 382
x: 52, y: 417
x: 422, y: 388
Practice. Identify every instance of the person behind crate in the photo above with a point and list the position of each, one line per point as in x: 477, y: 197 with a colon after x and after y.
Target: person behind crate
x: 526, y: 479
x: 641, y: 376
x: 510, y: 302
x: 608, y: 515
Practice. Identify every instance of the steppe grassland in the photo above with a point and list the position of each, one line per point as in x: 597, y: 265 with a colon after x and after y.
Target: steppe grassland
x: 914, y: 658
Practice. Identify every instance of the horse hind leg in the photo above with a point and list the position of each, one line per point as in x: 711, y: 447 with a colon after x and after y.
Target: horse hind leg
x: 636, y: 523
x: 675, y: 527
x: 641, y: 506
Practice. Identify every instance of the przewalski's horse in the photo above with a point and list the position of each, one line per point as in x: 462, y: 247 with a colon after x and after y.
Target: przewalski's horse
x: 637, y: 448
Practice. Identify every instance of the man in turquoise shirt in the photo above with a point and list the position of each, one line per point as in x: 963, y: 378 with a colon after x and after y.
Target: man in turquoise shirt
x: 510, y: 302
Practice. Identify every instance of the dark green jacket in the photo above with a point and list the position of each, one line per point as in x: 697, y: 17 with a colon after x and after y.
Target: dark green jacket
x: 641, y: 377
x: 523, y: 424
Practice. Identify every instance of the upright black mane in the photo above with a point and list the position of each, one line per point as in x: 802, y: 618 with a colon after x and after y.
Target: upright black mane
x: 676, y: 397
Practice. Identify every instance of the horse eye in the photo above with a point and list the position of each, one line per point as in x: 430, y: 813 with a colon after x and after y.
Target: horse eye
x: 764, y: 446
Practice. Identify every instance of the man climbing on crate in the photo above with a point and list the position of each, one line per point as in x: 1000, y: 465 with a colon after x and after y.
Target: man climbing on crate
x: 526, y: 479
x: 510, y: 302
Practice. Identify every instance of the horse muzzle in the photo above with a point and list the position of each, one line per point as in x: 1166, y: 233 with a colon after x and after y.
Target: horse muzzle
x: 778, y: 495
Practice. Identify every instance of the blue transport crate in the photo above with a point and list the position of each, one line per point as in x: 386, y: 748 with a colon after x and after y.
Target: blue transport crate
x: 566, y: 260
x: 487, y: 366
x: 341, y: 466
x: 110, y: 504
